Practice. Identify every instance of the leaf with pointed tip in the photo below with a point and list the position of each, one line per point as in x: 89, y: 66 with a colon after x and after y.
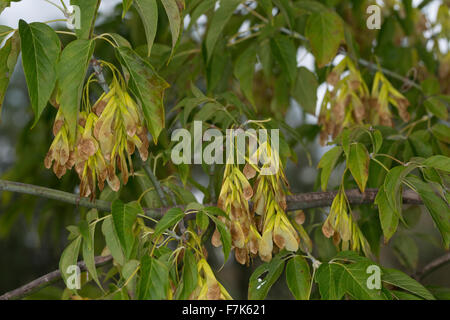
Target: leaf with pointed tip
x: 154, y: 280
x: 403, y: 281
x: 169, y: 219
x: 173, y: 13
x: 218, y: 22
x: 40, y: 51
x: 148, y: 11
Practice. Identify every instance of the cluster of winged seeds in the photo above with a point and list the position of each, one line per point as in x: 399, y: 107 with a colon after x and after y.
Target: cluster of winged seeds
x: 208, y: 288
x: 255, y: 230
x: 349, y: 101
x: 340, y: 225
x: 106, y: 137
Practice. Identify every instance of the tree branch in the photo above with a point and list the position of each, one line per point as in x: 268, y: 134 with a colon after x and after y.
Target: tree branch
x: 47, y: 280
x: 294, y: 202
x: 433, y: 265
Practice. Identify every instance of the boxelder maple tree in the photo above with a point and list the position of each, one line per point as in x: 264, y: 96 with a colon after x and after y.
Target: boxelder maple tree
x: 109, y: 93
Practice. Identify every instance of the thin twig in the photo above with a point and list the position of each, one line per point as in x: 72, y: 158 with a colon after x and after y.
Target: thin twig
x: 433, y: 265
x: 47, y: 280
x: 156, y: 184
x: 99, y: 74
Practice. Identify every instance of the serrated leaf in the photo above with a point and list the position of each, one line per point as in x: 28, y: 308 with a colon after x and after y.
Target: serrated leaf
x: 403, y: 281
x: 147, y: 86
x: 169, y: 219
x: 71, y: 72
x: 305, y: 90
x: 298, y: 277
x: 148, y: 11
x: 124, y: 216
x: 325, y: 32
x: 112, y: 240
x: 358, y: 163
x: 263, y: 278
x: 88, y: 12
x: 154, y: 280
x: 40, y: 51
x: 327, y: 164
x: 217, y: 24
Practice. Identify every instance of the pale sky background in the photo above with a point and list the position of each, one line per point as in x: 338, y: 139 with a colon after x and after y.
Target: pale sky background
x: 40, y: 10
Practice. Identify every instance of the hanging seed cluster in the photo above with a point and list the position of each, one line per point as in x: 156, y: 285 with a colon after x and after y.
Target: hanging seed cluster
x: 208, y: 288
x: 256, y: 231
x: 349, y: 101
x: 107, y: 135
x: 340, y: 225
